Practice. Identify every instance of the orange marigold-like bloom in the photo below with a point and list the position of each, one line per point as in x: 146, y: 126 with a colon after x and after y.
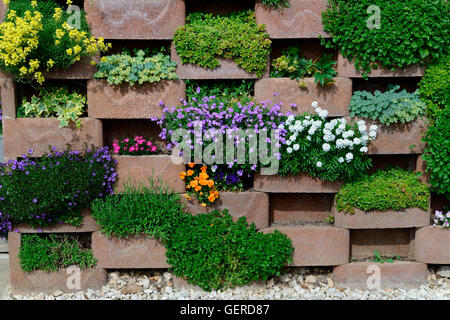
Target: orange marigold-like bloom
x: 191, y: 164
x: 216, y: 194
x: 182, y: 175
x: 210, y: 183
x: 203, y: 204
x: 203, y: 168
x: 202, y: 182
x: 193, y: 183
x: 198, y: 188
x: 203, y: 175
x: 187, y: 196
x: 211, y: 198
x: 190, y: 172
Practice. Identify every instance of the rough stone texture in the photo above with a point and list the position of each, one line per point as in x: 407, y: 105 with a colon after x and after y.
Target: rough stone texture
x: 444, y: 271
x: 132, y: 102
x: 334, y: 98
x: 397, y: 138
x: 252, y: 205
x: 389, y: 242
x: 136, y: 252
x: 433, y: 245
x: 228, y: 69
x: 406, y: 218
x: 139, y: 169
x: 3, y: 246
x: 9, y: 98
x: 4, y: 275
x: 135, y: 19
x: 400, y: 274
x: 422, y: 168
x: 22, y: 134
x: 317, y: 245
x: 300, y: 207
x: 41, y: 281
x: 3, y: 10
x: 301, y: 183
x: 347, y: 69
x: 302, y: 20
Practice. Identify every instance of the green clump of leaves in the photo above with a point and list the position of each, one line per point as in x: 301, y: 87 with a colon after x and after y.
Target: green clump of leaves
x: 53, y: 252
x: 377, y: 258
x: 55, y: 102
x: 276, y: 3
x: 213, y: 252
x: 392, y: 189
x: 235, y: 36
x: 230, y: 91
x: 410, y: 32
x: 294, y: 65
x: 392, y: 106
x: 142, y: 67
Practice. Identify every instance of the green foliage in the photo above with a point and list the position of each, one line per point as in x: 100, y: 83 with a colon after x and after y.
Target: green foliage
x: 411, y: 31
x: 231, y: 91
x: 293, y: 65
x: 377, y: 258
x: 435, y: 86
x: 234, y: 36
x: 276, y: 3
x: 142, y: 67
x: 55, y: 102
x: 388, y: 107
x: 393, y: 189
x: 154, y: 210
x: 212, y: 251
x: 53, y: 252
x: 437, y: 152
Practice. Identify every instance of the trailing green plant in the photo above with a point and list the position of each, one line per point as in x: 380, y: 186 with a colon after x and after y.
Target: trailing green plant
x: 391, y: 106
x: 407, y: 32
x: 53, y: 252
x: 154, y: 210
x: 55, y: 102
x: 293, y: 65
x: 140, y: 68
x: 213, y: 252
x: 230, y: 91
x: 437, y: 151
x: 235, y: 36
x: 377, y: 258
x: 392, y: 189
x: 276, y: 3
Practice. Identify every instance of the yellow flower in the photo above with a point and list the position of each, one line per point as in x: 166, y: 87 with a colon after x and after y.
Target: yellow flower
x: 69, y: 51
x: 182, y: 175
x: 23, y: 71
x: 57, y: 42
x: 50, y: 63
x: 187, y: 196
x: 103, y: 59
x: 34, y: 3
x: 211, y: 198
x: 69, y: 2
x: 203, y: 204
x: 6, y: 2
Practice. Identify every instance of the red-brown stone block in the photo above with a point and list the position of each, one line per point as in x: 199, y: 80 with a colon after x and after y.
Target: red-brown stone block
x: 3, y: 9
x: 228, y: 69
x: 132, y: 102
x: 301, y: 183
x: 22, y: 134
x: 139, y: 169
x: 335, y: 98
x: 135, y: 252
x: 300, y: 207
x: 347, y: 69
x: 433, y: 245
x: 361, y: 275
x: 303, y: 19
x: 252, y: 205
x: 9, y: 98
x: 317, y: 245
x: 135, y: 19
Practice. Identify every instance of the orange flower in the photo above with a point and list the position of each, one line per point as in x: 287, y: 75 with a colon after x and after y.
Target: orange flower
x: 203, y: 175
x: 188, y: 187
x: 210, y: 183
x: 202, y: 182
x: 203, y: 168
x: 203, y: 204
x: 198, y: 188
x: 182, y: 175
x: 211, y: 198
x: 191, y: 164
x: 190, y: 172
x: 216, y: 194
x: 193, y: 183
x: 187, y: 196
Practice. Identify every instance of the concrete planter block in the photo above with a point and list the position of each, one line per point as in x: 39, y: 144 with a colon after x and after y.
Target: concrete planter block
x: 135, y: 19
x: 400, y: 274
x: 139, y: 169
x: 252, y: 205
x: 301, y: 183
x: 302, y: 20
x: 8, y: 96
x: 317, y: 245
x: 135, y: 252
x: 22, y: 134
x: 132, y: 102
x: 433, y: 245
x: 334, y: 98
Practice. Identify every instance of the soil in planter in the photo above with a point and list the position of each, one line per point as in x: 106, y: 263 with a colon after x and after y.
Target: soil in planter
x: 218, y: 6
x: 310, y: 48
x: 410, y: 84
x: 384, y: 161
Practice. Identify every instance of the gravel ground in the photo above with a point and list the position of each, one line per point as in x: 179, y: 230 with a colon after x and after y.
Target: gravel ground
x: 304, y: 284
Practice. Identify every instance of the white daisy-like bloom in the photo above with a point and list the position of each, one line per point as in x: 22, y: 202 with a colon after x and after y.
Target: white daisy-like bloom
x: 291, y: 128
x: 323, y: 114
x: 340, y: 160
x: 296, y: 147
x: 363, y: 149
x: 319, y: 164
x: 357, y: 141
x: 311, y: 130
x: 333, y: 123
x: 326, y: 147
x: 362, y: 128
x: 317, y: 123
x: 349, y: 156
x: 372, y: 135
x: 289, y: 150
x: 339, y: 143
x: 361, y: 123
x: 314, y: 104
x: 281, y: 126
x: 288, y: 142
x: 343, y: 121
x: 373, y: 127
x: 308, y: 138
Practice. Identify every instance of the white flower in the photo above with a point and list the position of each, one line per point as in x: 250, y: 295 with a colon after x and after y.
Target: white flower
x: 357, y: 141
x: 361, y: 123
x: 319, y: 164
x: 372, y: 135
x: 314, y: 104
x: 341, y: 160
x: 288, y: 142
x: 326, y: 147
x: 373, y: 127
x: 281, y: 126
x: 312, y: 130
x: 349, y: 157
x: 339, y: 143
x: 289, y: 150
x: 363, y: 149
x: 296, y: 147
x: 308, y: 138
x: 362, y: 128
x: 323, y: 114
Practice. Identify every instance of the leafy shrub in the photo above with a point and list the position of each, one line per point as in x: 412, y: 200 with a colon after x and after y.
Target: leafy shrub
x: 212, y: 251
x: 35, y: 37
x: 234, y: 36
x: 276, y: 3
x: 388, y: 107
x: 330, y: 150
x: 437, y: 152
x: 54, y: 188
x: 293, y: 65
x: 393, y: 189
x: 233, y: 91
x: 55, y: 102
x: 52, y: 252
x: 199, y: 185
x: 139, y: 146
x: 142, y: 67
x: 441, y: 219
x: 153, y: 210
x: 411, y: 31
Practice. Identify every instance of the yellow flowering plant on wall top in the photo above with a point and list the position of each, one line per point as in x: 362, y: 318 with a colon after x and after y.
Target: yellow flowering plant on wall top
x: 38, y: 36
x: 199, y: 184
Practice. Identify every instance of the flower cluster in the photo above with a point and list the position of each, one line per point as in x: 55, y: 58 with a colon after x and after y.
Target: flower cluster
x: 53, y: 188
x: 139, y: 146
x: 442, y: 219
x: 331, y: 150
x: 199, y: 184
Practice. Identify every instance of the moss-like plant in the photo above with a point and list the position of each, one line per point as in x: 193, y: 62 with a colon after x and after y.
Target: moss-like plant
x: 234, y: 36
x: 393, y: 189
